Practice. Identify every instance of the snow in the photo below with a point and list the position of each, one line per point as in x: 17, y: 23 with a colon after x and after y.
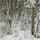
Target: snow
x: 22, y: 36
x: 18, y: 34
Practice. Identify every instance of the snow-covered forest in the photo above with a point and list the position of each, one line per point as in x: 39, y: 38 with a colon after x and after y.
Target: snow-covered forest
x: 19, y: 19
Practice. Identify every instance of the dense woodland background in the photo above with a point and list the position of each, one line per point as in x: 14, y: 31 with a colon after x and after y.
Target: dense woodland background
x: 19, y: 15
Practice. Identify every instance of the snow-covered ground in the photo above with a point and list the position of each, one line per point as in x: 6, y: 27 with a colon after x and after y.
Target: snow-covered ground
x: 20, y: 35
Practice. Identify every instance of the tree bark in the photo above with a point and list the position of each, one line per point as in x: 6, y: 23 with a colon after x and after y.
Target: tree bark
x: 33, y: 12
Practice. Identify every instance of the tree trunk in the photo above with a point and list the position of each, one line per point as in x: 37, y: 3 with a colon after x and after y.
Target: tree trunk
x: 33, y: 12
